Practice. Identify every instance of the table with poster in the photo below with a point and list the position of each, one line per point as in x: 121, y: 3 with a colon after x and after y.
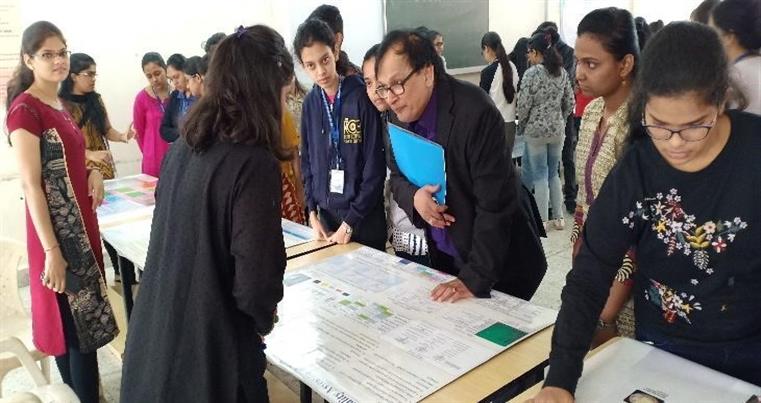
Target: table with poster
x: 125, y: 219
x: 629, y: 371
x: 357, y: 325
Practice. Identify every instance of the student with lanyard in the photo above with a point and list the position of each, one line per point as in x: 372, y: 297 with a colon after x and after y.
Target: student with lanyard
x: 331, y: 15
x: 342, y: 159
x: 179, y: 100
x: 686, y: 194
x: 148, y: 112
x: 739, y: 25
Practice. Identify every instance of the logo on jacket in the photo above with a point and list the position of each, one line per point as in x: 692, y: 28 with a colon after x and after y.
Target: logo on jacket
x: 352, y: 131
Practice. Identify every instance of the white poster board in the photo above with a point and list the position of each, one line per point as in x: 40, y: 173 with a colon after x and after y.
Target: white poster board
x: 361, y: 327
x: 295, y: 234
x: 631, y: 371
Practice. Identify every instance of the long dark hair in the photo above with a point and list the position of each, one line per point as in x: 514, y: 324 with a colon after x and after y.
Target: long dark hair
x: 92, y: 107
x: 742, y: 18
x: 543, y: 42
x: 243, y: 87
x: 31, y: 41
x: 683, y: 57
x: 492, y: 41
x: 519, y: 59
x: 616, y: 31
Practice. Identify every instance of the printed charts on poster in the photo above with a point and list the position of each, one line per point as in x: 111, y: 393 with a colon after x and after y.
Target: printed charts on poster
x: 127, y: 197
x: 360, y: 327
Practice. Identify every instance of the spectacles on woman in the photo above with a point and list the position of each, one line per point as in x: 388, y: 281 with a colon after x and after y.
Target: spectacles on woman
x: 50, y: 56
x: 691, y: 133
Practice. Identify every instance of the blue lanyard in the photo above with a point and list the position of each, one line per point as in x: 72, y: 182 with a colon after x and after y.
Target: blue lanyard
x: 334, y: 116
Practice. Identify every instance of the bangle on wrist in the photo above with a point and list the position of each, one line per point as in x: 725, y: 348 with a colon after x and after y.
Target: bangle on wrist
x: 50, y: 249
x: 602, y: 324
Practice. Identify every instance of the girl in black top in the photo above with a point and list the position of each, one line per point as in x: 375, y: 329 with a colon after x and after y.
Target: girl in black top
x: 687, y: 194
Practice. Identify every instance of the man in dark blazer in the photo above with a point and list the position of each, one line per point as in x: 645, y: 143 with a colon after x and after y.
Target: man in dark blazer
x: 483, y: 234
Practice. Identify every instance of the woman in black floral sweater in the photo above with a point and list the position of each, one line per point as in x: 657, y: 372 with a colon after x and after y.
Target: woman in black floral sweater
x: 687, y: 194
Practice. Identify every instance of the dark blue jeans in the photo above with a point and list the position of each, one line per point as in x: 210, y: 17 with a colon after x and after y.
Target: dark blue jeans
x: 741, y: 360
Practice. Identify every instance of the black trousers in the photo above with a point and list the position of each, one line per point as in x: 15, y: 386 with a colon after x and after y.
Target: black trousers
x: 570, y: 187
x: 112, y: 255
x: 371, y: 231
x: 78, y: 370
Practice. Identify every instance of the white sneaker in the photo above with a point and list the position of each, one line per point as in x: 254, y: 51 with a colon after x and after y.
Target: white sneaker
x: 559, y: 223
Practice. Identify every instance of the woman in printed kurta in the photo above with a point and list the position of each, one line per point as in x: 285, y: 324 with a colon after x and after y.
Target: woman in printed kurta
x: 686, y: 195
x: 148, y: 112
x: 607, y: 51
x: 71, y: 316
x: 292, y: 205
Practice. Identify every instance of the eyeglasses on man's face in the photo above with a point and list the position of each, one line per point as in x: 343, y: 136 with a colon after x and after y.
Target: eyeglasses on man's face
x: 396, y: 88
x: 50, y: 56
x: 691, y: 133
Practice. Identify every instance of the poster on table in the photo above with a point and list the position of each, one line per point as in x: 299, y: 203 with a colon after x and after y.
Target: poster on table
x: 361, y: 327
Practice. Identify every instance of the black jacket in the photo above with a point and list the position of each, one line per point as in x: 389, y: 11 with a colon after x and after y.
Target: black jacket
x: 213, y: 277
x: 498, y: 243
x: 361, y: 146
x: 170, y: 124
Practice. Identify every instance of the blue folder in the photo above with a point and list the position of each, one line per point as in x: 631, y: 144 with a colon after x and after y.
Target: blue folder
x: 420, y: 160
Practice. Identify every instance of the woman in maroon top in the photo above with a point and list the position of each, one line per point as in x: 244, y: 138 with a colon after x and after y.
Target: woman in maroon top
x: 63, y: 241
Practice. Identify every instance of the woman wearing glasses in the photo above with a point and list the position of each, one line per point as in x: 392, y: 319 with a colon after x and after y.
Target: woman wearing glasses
x: 87, y: 108
x: 71, y: 315
x: 148, y: 112
x: 88, y: 111
x: 342, y: 159
x: 195, y: 71
x: 686, y: 194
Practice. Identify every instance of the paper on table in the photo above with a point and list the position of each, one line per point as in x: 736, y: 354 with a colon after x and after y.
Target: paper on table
x: 295, y: 234
x: 361, y: 327
x: 126, y: 198
x: 628, y: 367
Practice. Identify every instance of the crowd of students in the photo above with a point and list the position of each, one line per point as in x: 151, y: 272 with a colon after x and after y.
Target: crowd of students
x: 659, y: 155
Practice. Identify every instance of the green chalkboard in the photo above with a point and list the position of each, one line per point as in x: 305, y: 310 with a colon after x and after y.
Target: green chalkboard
x: 462, y: 22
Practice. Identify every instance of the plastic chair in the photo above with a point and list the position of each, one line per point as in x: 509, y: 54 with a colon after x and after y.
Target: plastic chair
x: 16, y: 322
x: 43, y: 392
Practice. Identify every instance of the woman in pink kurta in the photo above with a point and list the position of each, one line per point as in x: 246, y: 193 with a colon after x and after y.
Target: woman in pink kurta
x: 148, y: 112
x: 71, y: 315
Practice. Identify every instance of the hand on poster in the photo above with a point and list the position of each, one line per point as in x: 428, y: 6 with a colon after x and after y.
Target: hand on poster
x: 342, y: 235
x: 451, y: 291
x: 319, y: 231
x: 552, y: 394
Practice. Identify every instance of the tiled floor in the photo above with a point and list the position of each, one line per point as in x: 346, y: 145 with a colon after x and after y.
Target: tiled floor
x: 556, y: 245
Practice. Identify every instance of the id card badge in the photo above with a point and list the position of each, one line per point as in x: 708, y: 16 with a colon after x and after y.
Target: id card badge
x: 337, y: 181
